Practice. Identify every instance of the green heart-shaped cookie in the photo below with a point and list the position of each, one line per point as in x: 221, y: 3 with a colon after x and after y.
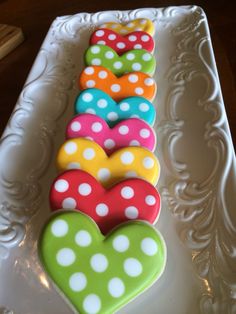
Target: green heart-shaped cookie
x: 100, y: 274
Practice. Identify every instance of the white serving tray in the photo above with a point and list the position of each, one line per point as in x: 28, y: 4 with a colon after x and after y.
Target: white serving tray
x: 197, y: 184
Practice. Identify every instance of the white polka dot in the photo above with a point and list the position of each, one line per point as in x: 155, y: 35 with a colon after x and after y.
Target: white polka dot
x: 120, y: 243
x: 109, y: 143
x: 96, y: 127
x: 96, y: 61
x: 131, y: 174
x: 131, y: 212
x: 89, y: 153
x: 102, y: 74
x: 84, y: 189
x: 133, y: 267
x: 127, y: 158
x: 87, y: 97
x: 83, y: 238
x: 146, y: 57
x: 138, y: 46
x: 149, y: 246
x: 102, y: 209
x: 150, y: 200
x: 143, y: 21
x: 115, y: 88
x: 143, y: 107
x: 123, y: 130
x: 89, y: 70
x: 132, y: 38
x: 127, y: 192
x: 112, y: 116
x: 145, y: 38
x: 124, y: 106
x: 101, y: 42
x: 138, y: 29
x: 92, y: 304
x: 102, y: 103
x: 123, y: 31
x: 139, y: 90
x: 113, y: 26
x: 73, y: 165
x: 69, y: 203
x: 78, y: 282
x: 118, y: 65
x: 100, y: 33
x: 95, y: 49
x: 90, y: 110
x: 75, y: 126
x: 116, y: 287
x: 134, y: 143
x: 65, y: 257
x: 130, y: 56
x: 112, y: 36
x: 133, y: 78
x: 99, y: 263
x: 109, y: 55
x: 59, y: 228
x: 130, y: 24
x: 104, y: 174
x: 144, y: 133
x: 148, y: 162
x: 61, y: 185
x: 90, y: 83
x: 70, y: 148
x: 148, y: 81
x: 120, y: 45
x: 136, y: 66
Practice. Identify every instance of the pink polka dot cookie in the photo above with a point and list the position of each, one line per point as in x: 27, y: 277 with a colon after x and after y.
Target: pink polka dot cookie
x: 126, y: 162
x: 121, y: 44
x: 130, y: 132
x: 127, y: 200
x: 131, y: 84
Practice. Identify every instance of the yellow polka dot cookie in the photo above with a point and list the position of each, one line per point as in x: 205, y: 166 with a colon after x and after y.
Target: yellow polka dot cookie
x: 82, y: 153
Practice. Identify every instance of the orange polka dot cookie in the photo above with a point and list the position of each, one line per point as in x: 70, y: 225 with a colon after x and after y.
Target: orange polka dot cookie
x: 142, y: 24
x: 87, y: 155
x: 130, y: 84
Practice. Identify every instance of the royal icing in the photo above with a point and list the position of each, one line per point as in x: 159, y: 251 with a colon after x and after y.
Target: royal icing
x: 127, y: 200
x: 100, y: 274
x: 131, y: 132
x: 133, y: 60
x: 95, y: 101
x: 142, y: 24
x: 130, y: 84
x: 121, y: 44
x: 81, y: 153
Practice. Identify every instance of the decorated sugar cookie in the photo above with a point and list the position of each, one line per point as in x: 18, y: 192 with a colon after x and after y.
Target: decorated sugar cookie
x: 100, y: 274
x: 142, y: 24
x: 133, y: 60
x: 121, y: 44
x: 131, y: 84
x: 131, y: 132
x: 127, y: 200
x: 81, y: 153
x: 95, y: 101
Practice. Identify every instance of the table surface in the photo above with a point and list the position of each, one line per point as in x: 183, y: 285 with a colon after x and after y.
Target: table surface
x: 35, y: 17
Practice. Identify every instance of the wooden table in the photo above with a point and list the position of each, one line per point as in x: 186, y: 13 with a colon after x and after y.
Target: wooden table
x: 35, y: 17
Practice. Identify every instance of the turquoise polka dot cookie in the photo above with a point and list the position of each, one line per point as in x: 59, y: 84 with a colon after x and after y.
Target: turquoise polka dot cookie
x: 100, y: 274
x: 95, y: 101
x: 133, y: 60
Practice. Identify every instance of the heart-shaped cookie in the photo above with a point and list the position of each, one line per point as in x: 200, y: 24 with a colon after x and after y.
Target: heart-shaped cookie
x: 142, y: 24
x: 126, y: 162
x: 95, y: 101
x: 98, y: 274
x: 130, y: 84
x: 128, y: 199
x: 121, y: 44
x: 130, y: 132
x: 133, y: 60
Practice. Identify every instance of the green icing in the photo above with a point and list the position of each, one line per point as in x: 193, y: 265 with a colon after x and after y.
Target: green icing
x: 100, y: 274
x: 134, y: 60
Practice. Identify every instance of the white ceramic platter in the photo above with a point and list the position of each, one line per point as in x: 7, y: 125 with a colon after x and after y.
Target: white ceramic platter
x: 194, y: 147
